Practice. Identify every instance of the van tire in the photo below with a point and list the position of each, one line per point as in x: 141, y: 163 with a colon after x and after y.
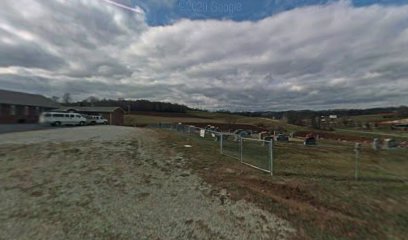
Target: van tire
x: 81, y: 123
x: 57, y: 124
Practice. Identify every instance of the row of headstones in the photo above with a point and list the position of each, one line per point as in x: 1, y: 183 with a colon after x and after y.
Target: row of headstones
x: 387, y: 144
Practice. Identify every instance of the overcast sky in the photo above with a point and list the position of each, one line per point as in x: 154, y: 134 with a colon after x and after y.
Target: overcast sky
x: 274, y: 55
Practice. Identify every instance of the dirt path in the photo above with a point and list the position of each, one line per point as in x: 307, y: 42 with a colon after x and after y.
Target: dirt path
x: 115, y: 183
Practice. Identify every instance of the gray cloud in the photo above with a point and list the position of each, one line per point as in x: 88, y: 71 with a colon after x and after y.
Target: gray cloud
x: 315, y: 57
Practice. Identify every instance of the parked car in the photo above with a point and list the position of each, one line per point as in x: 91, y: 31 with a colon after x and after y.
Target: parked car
x: 60, y: 118
x: 95, y: 119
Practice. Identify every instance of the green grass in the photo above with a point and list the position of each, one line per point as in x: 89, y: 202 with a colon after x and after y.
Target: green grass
x: 375, y: 133
x: 205, y: 117
x: 374, y: 117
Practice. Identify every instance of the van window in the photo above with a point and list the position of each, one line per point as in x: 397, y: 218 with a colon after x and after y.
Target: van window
x: 78, y: 116
x: 66, y: 115
x: 58, y: 115
x: 26, y: 110
x: 71, y: 115
x: 47, y: 115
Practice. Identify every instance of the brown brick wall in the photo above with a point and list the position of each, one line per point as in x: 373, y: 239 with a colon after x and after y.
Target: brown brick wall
x: 20, y: 115
x: 118, y: 117
x: 114, y: 118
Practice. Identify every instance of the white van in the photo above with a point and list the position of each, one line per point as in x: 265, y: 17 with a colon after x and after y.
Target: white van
x: 95, y: 119
x: 61, y: 118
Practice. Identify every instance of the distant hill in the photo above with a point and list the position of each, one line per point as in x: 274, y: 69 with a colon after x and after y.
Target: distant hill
x: 133, y: 105
x: 401, y: 111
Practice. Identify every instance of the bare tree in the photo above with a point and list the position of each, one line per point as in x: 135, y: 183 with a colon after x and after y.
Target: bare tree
x: 92, y: 100
x: 55, y: 99
x: 66, y: 98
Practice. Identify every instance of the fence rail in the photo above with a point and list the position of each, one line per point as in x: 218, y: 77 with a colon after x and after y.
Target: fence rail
x: 330, y: 159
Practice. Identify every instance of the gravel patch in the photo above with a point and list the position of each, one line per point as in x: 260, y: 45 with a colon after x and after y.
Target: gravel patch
x: 124, y: 185
x: 68, y: 134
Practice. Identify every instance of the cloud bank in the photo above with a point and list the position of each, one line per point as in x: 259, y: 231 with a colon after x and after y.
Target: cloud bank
x: 330, y: 56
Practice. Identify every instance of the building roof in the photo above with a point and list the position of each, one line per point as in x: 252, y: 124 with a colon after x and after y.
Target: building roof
x: 26, y: 99
x: 90, y: 109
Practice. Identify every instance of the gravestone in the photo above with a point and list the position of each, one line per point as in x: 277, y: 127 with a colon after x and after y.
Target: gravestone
x: 376, y: 144
x: 266, y: 140
x: 390, y: 143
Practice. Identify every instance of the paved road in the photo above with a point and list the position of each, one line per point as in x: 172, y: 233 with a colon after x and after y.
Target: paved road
x: 8, y: 128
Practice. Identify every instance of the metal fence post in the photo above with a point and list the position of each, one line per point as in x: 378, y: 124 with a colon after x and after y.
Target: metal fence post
x: 221, y: 141
x: 357, y: 148
x: 240, y: 148
x: 271, y: 156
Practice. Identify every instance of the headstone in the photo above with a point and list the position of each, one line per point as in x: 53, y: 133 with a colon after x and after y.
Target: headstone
x: 202, y: 133
x: 376, y: 144
x: 357, y: 147
x: 267, y: 139
x: 282, y: 138
x: 262, y: 135
x: 310, y: 140
x: 244, y: 134
x: 390, y: 143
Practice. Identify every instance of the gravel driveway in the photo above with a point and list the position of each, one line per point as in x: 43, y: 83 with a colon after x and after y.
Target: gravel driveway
x: 106, y: 182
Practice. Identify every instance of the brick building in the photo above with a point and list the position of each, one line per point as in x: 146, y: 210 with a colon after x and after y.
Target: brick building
x: 19, y: 107
x: 114, y: 115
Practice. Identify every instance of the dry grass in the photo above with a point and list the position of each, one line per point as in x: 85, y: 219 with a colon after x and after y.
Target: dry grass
x: 145, y: 118
x: 314, y: 188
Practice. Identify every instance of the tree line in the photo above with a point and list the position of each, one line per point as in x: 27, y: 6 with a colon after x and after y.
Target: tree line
x: 127, y: 105
x: 313, y: 118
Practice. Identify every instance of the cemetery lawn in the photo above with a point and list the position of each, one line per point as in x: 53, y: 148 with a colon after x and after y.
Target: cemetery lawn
x: 314, y: 188
x: 146, y: 118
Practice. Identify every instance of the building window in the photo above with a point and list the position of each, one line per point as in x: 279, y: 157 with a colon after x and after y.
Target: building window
x: 26, y: 110
x: 12, y: 110
x: 37, y: 110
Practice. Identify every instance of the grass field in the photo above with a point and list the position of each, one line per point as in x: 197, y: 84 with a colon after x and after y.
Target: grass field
x: 381, y: 131
x: 145, y: 118
x: 313, y: 187
x: 375, y: 117
x: 376, y: 133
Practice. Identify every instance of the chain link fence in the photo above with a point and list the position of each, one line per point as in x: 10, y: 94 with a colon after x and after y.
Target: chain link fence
x: 327, y: 159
